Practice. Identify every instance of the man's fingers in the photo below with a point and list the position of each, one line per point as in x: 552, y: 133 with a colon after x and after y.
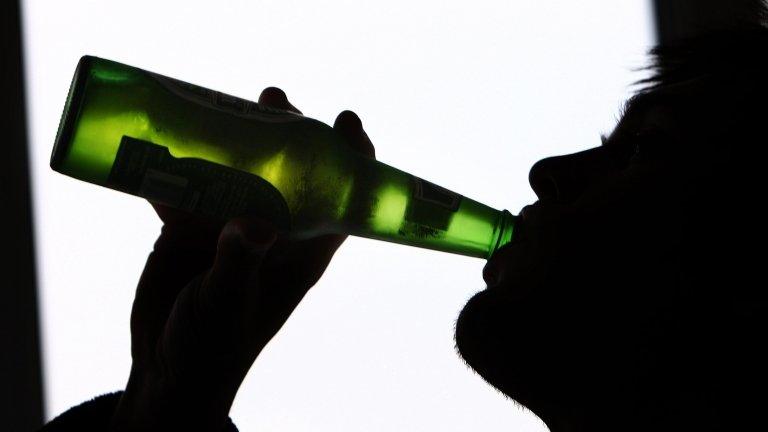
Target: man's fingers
x: 173, y: 216
x: 310, y: 258
x: 306, y: 259
x: 170, y: 214
x: 348, y: 124
x: 241, y: 247
x: 182, y: 252
x: 273, y: 97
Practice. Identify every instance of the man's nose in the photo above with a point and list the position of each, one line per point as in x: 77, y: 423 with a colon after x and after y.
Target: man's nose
x: 564, y: 178
x: 543, y: 179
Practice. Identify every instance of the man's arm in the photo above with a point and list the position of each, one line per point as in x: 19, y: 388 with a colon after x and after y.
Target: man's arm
x: 209, y: 300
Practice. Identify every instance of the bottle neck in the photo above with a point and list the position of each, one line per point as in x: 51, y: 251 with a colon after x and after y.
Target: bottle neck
x: 503, y: 232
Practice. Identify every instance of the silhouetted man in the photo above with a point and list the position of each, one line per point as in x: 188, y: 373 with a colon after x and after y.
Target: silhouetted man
x: 630, y: 299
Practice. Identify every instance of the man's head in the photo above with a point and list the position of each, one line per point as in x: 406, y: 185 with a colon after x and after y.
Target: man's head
x: 628, y: 298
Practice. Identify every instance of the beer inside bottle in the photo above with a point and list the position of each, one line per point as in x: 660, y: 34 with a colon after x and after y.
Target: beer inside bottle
x: 206, y: 152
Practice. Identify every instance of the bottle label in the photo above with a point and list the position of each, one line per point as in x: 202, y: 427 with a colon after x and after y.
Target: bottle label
x: 432, y: 206
x: 149, y: 170
x: 224, y: 102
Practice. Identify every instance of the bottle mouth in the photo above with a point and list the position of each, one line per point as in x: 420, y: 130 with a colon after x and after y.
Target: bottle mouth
x: 71, y: 112
x: 503, y: 232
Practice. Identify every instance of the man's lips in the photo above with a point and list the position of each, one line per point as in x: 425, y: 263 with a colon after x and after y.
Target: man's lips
x: 521, y: 255
x: 529, y: 211
x: 494, y: 268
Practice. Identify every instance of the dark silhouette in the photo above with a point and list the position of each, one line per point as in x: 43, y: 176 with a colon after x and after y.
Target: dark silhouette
x: 630, y: 298
x: 21, y: 378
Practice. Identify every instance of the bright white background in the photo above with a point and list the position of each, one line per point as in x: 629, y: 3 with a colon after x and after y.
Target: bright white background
x: 466, y: 94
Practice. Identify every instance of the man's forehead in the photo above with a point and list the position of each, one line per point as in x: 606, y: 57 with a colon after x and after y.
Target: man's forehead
x: 653, y: 104
x: 672, y: 94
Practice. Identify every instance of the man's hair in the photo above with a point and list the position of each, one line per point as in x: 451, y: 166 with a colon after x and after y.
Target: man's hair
x: 734, y: 52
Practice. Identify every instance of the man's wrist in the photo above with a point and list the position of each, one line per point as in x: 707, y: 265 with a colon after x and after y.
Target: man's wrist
x: 159, y: 405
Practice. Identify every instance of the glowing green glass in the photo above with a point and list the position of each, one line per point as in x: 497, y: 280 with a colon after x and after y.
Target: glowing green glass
x: 180, y: 144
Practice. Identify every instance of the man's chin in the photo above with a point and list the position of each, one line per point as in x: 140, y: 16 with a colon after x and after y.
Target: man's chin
x: 479, y: 339
x: 497, y: 337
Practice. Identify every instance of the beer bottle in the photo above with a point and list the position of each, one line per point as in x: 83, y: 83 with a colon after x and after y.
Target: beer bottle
x: 206, y: 152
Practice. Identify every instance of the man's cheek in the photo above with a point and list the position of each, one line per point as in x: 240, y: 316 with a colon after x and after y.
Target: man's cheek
x: 619, y: 187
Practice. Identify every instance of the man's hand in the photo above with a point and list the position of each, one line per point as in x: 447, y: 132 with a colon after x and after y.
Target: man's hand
x: 209, y: 300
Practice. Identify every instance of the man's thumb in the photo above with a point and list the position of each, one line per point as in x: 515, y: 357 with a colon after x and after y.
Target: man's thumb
x: 241, y: 246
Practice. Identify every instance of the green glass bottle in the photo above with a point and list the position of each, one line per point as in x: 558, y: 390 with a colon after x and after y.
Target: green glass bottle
x: 207, y: 152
